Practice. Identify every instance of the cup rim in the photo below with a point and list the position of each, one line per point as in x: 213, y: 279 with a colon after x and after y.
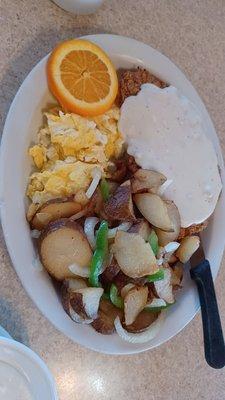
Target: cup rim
x: 34, y: 358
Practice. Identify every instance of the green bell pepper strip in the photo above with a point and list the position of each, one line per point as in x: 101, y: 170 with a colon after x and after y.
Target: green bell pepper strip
x: 158, y: 276
x: 115, y: 299
x: 158, y: 309
x: 154, y: 243
x: 104, y: 187
x: 99, y: 255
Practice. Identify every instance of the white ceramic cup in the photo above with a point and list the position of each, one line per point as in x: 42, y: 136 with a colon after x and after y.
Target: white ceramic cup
x: 79, y: 6
x: 23, y: 375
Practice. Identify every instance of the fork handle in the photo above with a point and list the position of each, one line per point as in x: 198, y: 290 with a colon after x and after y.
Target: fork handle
x: 212, y: 330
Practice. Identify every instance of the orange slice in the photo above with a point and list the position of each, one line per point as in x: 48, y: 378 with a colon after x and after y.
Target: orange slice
x: 82, y: 77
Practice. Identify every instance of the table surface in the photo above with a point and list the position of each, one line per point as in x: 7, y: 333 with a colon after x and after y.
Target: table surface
x: 192, y: 34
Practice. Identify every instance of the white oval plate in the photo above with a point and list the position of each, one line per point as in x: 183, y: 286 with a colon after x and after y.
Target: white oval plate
x: 23, y: 121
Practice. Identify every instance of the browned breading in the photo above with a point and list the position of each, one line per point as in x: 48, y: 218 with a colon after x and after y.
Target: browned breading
x: 192, y: 230
x: 121, y: 170
x: 130, y: 82
x: 132, y: 165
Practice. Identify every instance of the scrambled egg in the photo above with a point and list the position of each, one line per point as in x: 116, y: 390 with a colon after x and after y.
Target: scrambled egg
x: 69, y: 147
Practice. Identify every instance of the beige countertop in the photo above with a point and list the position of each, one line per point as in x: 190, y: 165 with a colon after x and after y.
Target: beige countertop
x: 192, y: 34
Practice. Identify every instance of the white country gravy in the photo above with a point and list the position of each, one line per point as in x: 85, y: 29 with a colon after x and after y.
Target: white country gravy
x: 164, y: 132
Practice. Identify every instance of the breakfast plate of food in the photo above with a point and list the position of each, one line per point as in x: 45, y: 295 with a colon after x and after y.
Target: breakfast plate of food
x: 111, y: 175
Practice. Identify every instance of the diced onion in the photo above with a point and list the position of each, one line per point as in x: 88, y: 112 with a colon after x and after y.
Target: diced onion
x: 89, y: 230
x: 76, y: 317
x: 35, y: 233
x: 164, y: 186
x: 171, y: 247
x: 78, y: 215
x: 156, y: 303
x: 141, y: 337
x: 97, y: 174
x: 79, y: 271
x: 90, y: 299
x: 122, y: 227
x: 166, y: 252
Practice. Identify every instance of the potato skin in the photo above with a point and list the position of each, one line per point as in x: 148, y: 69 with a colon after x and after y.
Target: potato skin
x: 107, y: 314
x: 134, y: 302
x: 142, y: 228
x: 154, y: 209
x: 65, y: 297
x: 72, y: 300
x: 59, y: 223
x: 121, y: 171
x: 76, y: 303
x: 119, y: 207
x: 146, y: 181
x: 122, y: 280
x: 49, y: 205
x: 110, y: 272
x: 142, y: 322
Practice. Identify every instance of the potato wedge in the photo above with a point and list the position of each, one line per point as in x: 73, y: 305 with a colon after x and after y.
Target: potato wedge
x: 119, y: 207
x: 67, y: 288
x: 53, y: 210
x: 187, y: 248
x: 32, y: 209
x: 142, y: 228
x: 67, y: 292
x: 174, y: 215
x: 61, y: 244
x: 144, y: 181
x: 107, y: 314
x: 154, y: 209
x: 126, y: 289
x: 172, y: 260
x: 121, y: 280
x: 164, y: 287
x: 85, y: 301
x: 134, y: 302
x: 73, y: 284
x: 40, y: 220
x: 177, y: 275
x: 134, y: 256
x: 142, y: 322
